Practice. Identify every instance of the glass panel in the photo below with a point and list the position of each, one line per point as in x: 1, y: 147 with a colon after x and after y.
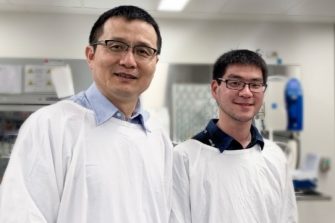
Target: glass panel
x: 10, y: 123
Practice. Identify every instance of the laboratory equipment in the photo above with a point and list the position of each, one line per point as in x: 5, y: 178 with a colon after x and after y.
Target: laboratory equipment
x: 294, y: 105
x: 283, y: 110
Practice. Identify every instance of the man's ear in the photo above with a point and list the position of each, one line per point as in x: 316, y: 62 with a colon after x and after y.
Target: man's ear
x: 89, y: 53
x: 214, y: 88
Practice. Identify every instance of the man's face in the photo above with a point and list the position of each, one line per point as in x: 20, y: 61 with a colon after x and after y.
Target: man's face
x: 238, y: 105
x: 121, y: 77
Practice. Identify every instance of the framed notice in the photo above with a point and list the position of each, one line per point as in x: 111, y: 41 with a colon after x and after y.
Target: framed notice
x: 10, y: 79
x: 37, y: 79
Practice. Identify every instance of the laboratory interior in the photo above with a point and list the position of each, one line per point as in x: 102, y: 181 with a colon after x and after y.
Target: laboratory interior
x: 42, y: 61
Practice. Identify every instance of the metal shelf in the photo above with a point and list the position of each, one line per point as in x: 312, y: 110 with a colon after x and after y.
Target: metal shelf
x: 312, y: 196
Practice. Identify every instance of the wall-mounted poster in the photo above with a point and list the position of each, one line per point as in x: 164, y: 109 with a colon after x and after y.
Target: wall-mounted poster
x: 37, y: 79
x: 10, y: 79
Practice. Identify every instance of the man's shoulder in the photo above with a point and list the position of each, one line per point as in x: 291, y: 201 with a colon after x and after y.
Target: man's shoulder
x: 202, y: 137
x: 155, y: 124
x: 66, y: 106
x: 61, y: 110
x: 270, y: 145
x: 272, y: 151
x: 189, y: 146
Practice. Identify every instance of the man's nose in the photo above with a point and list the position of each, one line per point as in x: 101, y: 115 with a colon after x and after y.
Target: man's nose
x: 128, y: 58
x: 245, y: 91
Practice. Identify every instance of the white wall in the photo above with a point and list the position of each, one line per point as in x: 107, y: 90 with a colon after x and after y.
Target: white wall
x: 309, y: 45
x: 44, y: 36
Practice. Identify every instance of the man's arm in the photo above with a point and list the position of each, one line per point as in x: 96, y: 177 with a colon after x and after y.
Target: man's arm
x: 289, y: 208
x: 181, y: 207
x: 29, y: 187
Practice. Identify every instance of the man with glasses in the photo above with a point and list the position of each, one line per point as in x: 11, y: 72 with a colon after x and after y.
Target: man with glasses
x: 229, y: 172
x: 97, y: 157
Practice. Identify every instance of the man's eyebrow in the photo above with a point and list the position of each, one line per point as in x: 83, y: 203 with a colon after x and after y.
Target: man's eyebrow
x: 239, y: 77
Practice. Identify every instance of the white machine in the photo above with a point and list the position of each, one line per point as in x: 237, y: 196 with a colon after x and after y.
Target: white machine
x: 283, y: 109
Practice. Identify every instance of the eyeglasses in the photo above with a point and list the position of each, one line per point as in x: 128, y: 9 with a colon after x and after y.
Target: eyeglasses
x: 141, y: 52
x: 238, y: 85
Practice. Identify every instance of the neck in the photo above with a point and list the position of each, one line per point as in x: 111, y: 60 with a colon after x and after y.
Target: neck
x: 126, y: 107
x: 124, y: 103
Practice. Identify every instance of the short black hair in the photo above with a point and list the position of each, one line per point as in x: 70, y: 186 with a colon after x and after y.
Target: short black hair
x: 130, y: 13
x: 241, y: 56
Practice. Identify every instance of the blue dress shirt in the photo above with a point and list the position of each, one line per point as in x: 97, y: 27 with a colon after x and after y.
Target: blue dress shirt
x: 104, y: 109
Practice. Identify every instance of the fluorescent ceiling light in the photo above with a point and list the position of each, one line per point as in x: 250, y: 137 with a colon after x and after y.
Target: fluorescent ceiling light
x: 172, y: 5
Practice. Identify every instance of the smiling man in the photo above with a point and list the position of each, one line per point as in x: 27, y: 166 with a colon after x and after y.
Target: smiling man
x: 229, y: 173
x: 97, y: 157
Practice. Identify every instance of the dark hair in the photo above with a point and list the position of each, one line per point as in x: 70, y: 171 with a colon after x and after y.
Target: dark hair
x: 128, y: 12
x: 244, y: 57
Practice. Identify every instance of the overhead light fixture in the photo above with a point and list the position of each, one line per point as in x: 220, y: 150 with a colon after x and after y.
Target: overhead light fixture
x: 172, y: 5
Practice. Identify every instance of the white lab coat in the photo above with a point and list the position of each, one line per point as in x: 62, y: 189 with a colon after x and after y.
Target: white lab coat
x: 65, y: 169
x: 236, y: 186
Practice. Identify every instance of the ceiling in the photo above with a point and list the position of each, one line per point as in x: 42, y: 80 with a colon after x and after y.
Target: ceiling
x: 277, y: 10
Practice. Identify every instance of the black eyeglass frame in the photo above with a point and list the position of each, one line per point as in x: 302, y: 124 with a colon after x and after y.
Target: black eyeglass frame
x: 264, y: 85
x: 105, y: 43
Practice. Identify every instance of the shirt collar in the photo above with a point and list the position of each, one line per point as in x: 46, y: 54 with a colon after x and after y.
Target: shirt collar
x: 105, y: 110
x: 223, y: 141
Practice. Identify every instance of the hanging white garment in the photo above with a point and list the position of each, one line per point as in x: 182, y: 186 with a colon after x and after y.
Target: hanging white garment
x: 65, y: 169
x: 236, y: 186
